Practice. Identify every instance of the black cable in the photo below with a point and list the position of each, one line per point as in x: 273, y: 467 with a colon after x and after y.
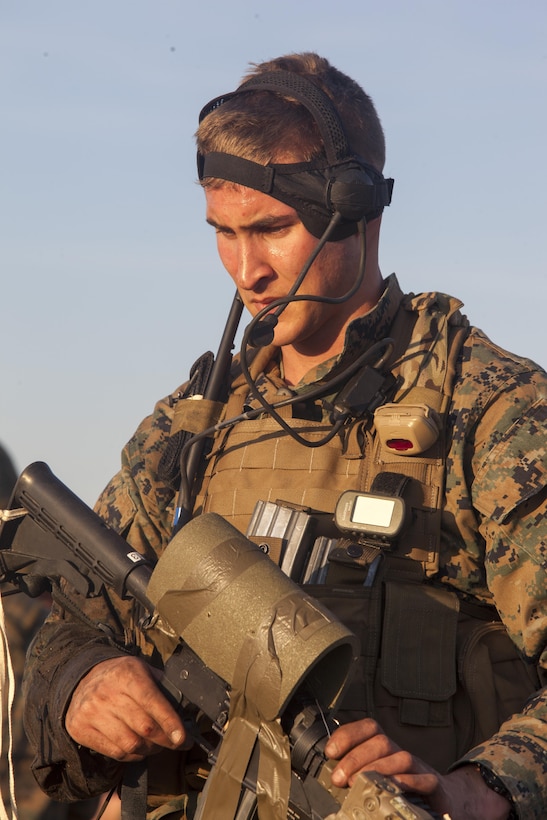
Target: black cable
x: 293, y: 296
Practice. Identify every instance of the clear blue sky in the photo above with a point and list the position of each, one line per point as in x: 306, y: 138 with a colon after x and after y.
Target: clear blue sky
x: 110, y: 282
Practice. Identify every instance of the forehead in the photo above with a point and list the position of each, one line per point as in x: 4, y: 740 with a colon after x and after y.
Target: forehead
x: 231, y: 204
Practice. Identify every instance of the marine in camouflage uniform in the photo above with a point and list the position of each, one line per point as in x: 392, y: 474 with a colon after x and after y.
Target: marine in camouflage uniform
x: 492, y: 554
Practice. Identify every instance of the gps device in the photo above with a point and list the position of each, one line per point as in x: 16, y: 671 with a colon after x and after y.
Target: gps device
x: 370, y: 514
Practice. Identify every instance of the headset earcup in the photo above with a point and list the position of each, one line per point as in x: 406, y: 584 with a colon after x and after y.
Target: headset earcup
x: 353, y: 194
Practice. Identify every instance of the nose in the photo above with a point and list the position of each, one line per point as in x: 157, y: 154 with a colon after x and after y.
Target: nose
x: 252, y: 269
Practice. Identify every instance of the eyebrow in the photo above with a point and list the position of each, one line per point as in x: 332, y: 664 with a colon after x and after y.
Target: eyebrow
x: 260, y: 224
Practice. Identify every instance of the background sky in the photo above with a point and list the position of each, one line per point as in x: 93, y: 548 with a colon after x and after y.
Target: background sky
x: 110, y: 283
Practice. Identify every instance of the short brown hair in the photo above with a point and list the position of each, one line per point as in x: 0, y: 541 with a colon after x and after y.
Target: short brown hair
x: 267, y: 127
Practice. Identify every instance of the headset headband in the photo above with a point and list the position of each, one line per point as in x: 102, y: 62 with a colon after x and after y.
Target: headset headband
x: 342, y: 183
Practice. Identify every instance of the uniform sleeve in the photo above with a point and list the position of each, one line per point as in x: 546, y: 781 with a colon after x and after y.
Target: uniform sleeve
x: 65, y: 648
x: 59, y: 657
x: 509, y: 493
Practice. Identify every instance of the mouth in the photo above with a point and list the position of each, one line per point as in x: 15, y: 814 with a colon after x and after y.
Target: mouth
x: 261, y: 304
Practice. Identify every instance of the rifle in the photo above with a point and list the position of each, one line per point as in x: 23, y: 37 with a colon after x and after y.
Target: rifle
x: 49, y: 534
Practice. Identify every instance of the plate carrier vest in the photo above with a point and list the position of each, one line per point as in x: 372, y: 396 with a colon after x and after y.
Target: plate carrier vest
x: 439, y: 674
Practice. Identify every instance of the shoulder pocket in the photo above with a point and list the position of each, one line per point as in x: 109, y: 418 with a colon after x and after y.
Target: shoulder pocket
x: 116, y: 508
x: 516, y: 468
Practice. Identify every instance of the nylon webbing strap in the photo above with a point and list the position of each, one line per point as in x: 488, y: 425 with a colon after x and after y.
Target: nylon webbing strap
x: 430, y: 331
x: 392, y: 484
x: 134, y: 791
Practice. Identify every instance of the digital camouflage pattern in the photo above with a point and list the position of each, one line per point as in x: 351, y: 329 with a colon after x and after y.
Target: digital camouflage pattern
x: 493, y: 549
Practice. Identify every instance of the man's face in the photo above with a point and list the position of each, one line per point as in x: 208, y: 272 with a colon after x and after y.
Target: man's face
x: 263, y: 245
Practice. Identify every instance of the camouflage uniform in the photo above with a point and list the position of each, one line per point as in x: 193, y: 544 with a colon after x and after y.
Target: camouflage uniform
x: 493, y: 549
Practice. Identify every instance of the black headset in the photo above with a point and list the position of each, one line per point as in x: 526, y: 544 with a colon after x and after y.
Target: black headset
x: 344, y: 184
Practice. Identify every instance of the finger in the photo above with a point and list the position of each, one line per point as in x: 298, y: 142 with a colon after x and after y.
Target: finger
x: 370, y: 755
x: 350, y: 735
x: 410, y: 772
x: 119, y: 744
x: 167, y: 727
x: 119, y: 704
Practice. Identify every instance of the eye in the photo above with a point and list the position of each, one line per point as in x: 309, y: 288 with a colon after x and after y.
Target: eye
x: 227, y: 232
x: 277, y: 229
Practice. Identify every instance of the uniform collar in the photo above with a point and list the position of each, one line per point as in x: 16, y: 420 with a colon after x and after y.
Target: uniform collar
x: 361, y: 333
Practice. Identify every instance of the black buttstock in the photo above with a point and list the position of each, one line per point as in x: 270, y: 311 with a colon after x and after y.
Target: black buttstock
x: 61, y: 537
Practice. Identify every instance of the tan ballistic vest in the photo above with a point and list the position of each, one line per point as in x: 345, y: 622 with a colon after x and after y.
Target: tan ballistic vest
x: 422, y: 649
